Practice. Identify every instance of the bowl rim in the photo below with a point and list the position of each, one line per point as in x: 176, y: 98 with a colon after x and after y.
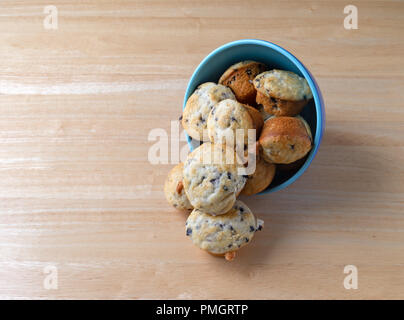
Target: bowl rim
x: 318, y: 100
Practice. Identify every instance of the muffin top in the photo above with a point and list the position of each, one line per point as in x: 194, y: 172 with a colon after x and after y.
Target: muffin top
x: 241, y: 65
x: 285, y: 139
x: 285, y: 127
x: 227, y: 117
x: 199, y: 105
x: 239, y: 78
x: 211, y: 178
x: 285, y: 85
x: 174, y: 189
x: 224, y: 233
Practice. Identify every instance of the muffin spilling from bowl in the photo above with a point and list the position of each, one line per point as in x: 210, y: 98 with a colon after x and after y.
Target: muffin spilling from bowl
x: 261, y: 106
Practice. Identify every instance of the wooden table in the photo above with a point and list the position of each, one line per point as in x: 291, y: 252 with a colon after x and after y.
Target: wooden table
x: 77, y: 190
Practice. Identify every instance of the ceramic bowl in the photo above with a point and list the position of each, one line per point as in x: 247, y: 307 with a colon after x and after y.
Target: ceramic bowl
x: 275, y: 57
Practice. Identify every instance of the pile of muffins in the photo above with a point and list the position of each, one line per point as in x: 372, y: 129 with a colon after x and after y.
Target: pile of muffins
x: 248, y: 96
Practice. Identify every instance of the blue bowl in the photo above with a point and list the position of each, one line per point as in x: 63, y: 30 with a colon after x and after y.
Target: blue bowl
x: 275, y: 57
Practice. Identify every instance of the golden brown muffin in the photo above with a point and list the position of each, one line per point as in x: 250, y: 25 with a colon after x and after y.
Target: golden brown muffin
x: 239, y: 78
x: 285, y: 139
x: 223, y: 235
x: 260, y: 179
x: 174, y: 189
x: 257, y: 119
x: 282, y: 93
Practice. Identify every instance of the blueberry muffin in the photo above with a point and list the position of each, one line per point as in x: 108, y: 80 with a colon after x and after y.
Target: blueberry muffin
x: 225, y: 234
x: 260, y: 179
x: 174, y: 189
x: 198, y: 107
x: 239, y: 78
x: 227, y: 117
x: 282, y: 93
x: 285, y: 139
x: 211, y: 178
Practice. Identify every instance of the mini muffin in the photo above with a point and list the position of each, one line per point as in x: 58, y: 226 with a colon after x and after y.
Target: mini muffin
x: 239, y: 78
x: 224, y: 234
x: 227, y: 117
x: 174, y: 189
x: 260, y: 179
x: 285, y: 139
x: 211, y: 178
x: 282, y: 93
x: 198, y: 107
x: 257, y: 119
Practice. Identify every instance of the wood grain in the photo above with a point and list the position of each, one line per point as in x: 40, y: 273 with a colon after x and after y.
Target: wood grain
x: 77, y: 190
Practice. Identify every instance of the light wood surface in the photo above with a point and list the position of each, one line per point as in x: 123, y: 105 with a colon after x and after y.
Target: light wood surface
x: 77, y: 190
